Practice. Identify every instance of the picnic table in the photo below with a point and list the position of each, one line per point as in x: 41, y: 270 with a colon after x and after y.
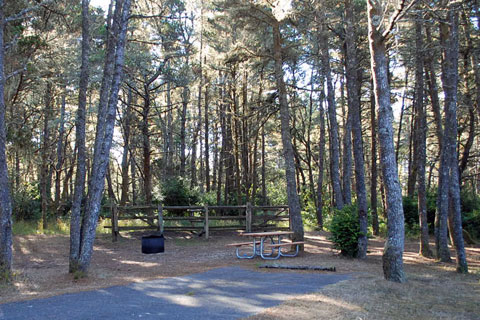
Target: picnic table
x: 267, y: 245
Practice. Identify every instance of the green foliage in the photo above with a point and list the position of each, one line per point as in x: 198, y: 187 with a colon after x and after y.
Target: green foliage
x: 277, y: 194
x: 26, y: 203
x: 345, y: 230
x: 58, y: 226
x: 309, y: 209
x: 77, y: 275
x: 176, y: 193
x: 471, y: 213
x: 410, y: 210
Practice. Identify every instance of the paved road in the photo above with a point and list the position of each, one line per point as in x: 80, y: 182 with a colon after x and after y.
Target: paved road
x: 223, y: 293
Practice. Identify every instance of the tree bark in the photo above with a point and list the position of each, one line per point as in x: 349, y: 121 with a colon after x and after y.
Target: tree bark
x: 420, y: 135
x: 45, y: 184
x: 103, y: 139
x: 80, y: 125
x: 127, y: 114
x: 292, y: 196
x: 449, y: 189
x: 321, y: 162
x: 394, y: 245
x: 356, y: 122
x: 332, y: 115
x: 207, y: 144
x: 374, y: 174
x: 60, y: 156
x: 5, y: 198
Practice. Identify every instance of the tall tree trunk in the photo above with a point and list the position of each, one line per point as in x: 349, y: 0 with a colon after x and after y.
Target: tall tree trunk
x: 394, y: 245
x: 103, y: 138
x: 80, y: 125
x: 45, y: 184
x: 183, y: 124
x: 170, y: 144
x: 374, y: 174
x: 321, y: 162
x: 264, y: 170
x: 207, y: 144
x: 433, y: 87
x: 292, y: 196
x: 347, y: 151
x: 347, y: 161
x: 402, y: 113
x: 420, y: 135
x: 5, y: 198
x: 356, y: 122
x: 60, y: 156
x: 332, y: 115
x: 470, y: 61
x: 126, y: 147
x: 449, y: 189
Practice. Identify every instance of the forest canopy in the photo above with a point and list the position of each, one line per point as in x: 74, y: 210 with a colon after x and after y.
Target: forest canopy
x: 316, y: 104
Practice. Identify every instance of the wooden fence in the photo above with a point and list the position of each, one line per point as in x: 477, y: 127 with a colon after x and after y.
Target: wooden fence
x: 199, y: 218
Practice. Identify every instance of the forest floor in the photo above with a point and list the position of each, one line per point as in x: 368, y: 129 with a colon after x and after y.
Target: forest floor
x: 433, y: 291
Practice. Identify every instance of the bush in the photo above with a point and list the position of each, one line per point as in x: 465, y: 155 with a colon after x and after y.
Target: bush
x: 471, y: 213
x: 345, y: 230
x: 176, y: 193
x: 410, y: 211
x: 471, y: 223
x: 26, y: 203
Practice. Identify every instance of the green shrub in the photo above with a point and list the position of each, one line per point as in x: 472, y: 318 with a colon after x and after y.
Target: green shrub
x: 471, y: 213
x: 26, y: 204
x: 345, y: 230
x: 176, y: 193
x: 471, y: 223
x: 410, y: 210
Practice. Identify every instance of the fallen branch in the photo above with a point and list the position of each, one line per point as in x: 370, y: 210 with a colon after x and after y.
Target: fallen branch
x: 284, y: 266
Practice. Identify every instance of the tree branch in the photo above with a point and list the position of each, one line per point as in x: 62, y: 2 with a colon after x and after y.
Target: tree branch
x: 398, y: 14
x: 22, y: 13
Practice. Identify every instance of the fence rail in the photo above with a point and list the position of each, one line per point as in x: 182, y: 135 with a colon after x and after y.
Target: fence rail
x: 198, y: 218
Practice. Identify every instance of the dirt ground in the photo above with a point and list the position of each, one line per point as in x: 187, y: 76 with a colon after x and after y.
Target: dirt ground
x: 433, y: 290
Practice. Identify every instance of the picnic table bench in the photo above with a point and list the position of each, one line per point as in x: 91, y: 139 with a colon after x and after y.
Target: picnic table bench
x: 266, y: 240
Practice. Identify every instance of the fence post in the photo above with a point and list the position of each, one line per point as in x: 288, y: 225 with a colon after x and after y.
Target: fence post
x: 248, y: 213
x: 114, y: 221
x: 160, y: 218
x: 206, y: 222
x: 289, y: 219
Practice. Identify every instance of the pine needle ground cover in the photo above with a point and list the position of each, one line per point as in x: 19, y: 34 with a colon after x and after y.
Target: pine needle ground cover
x: 433, y: 290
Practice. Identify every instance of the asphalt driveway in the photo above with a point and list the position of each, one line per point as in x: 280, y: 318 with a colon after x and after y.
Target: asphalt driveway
x: 223, y: 293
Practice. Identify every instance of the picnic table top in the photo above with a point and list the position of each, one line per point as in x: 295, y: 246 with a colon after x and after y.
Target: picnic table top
x: 266, y: 234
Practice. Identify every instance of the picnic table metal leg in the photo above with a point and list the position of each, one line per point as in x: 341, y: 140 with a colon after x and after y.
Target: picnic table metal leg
x: 269, y: 256
x: 290, y: 254
x: 256, y: 251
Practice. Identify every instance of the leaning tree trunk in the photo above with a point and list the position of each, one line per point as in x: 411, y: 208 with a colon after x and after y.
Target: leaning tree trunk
x: 292, y: 196
x: 5, y: 198
x: 356, y: 123
x: 103, y: 139
x: 394, y: 245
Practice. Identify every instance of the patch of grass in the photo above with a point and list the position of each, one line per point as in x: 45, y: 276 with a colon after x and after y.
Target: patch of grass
x: 6, y: 277
x: 55, y: 227
x: 190, y: 293
x: 79, y: 275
